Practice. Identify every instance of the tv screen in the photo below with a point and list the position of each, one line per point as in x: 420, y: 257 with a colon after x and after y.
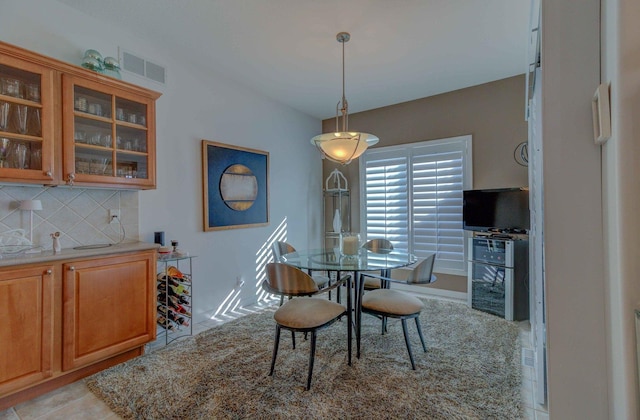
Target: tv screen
x: 498, y: 210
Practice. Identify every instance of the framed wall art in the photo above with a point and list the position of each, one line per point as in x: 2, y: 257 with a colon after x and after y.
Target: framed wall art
x: 235, y: 184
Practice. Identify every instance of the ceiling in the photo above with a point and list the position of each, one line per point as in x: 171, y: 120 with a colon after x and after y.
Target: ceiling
x: 400, y: 50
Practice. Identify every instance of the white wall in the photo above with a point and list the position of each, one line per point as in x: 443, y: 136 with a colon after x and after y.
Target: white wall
x: 620, y: 156
x: 196, y: 104
x: 574, y: 260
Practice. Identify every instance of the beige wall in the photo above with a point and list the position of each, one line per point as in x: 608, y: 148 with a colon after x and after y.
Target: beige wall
x: 621, y: 199
x: 493, y: 113
x: 575, y: 287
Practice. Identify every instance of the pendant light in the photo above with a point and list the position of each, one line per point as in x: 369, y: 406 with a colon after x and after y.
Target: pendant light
x: 342, y: 146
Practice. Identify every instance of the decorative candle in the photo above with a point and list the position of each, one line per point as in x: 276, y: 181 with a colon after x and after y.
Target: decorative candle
x: 350, y: 245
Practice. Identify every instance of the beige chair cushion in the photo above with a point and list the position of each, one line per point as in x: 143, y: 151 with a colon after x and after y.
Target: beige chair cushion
x: 307, y: 312
x: 370, y: 283
x: 391, y: 302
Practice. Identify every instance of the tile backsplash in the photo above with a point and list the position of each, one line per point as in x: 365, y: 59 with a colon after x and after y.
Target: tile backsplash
x: 81, y: 215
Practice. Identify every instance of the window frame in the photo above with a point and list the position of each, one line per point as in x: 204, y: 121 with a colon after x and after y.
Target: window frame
x: 463, y: 144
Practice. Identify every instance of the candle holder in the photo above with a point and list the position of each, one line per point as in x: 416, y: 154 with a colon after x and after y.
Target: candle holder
x: 349, y: 244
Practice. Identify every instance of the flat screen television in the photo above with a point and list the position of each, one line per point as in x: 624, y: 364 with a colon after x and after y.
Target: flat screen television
x: 504, y: 210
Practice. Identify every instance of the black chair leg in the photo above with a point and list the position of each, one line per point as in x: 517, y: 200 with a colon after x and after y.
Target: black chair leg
x: 406, y: 340
x: 275, y: 349
x: 312, y: 357
x: 281, y: 299
x: 293, y: 340
x: 424, y: 347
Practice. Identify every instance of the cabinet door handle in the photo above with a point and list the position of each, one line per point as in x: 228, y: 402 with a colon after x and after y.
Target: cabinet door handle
x: 49, y: 271
x: 71, y: 177
x: 72, y: 268
x: 49, y: 174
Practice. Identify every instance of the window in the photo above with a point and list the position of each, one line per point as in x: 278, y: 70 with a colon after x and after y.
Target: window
x: 412, y: 195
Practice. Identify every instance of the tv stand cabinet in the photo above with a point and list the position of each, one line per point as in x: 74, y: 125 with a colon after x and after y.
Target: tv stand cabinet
x: 497, y: 277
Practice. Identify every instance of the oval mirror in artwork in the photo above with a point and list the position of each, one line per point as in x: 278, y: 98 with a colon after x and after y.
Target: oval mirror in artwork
x: 238, y: 187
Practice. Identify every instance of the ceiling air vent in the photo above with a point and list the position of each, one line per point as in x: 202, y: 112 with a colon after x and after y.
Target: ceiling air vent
x: 142, y: 67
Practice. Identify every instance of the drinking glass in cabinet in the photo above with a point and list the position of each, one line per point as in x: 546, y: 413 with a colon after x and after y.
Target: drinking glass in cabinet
x: 94, y: 138
x: 35, y: 124
x: 80, y: 136
x: 35, y: 162
x: 33, y: 92
x: 105, y: 140
x: 4, y: 149
x: 21, y: 118
x: 4, y: 115
x: 81, y: 103
x: 11, y: 87
x: 83, y: 166
x: 99, y: 166
x: 95, y: 109
x: 20, y: 156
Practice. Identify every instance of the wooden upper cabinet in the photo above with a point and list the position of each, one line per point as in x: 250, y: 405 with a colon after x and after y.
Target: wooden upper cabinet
x: 27, y: 116
x: 63, y: 124
x: 108, y: 135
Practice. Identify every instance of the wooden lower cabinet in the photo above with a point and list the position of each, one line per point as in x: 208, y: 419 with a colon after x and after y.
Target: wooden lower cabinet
x: 108, y: 307
x: 70, y: 319
x: 26, y: 335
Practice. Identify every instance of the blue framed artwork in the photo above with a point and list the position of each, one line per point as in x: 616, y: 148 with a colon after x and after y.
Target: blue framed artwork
x: 236, y: 186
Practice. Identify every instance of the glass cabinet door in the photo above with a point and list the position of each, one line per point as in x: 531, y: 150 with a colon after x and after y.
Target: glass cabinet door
x: 106, y: 138
x: 26, y: 118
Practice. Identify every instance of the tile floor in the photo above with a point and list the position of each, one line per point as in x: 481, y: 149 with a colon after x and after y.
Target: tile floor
x: 75, y: 401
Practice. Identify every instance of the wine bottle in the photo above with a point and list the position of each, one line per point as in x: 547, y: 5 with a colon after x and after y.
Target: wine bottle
x: 162, y: 321
x: 178, y: 319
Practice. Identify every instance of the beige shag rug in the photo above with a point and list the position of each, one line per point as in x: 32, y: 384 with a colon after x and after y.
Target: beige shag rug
x: 471, y: 370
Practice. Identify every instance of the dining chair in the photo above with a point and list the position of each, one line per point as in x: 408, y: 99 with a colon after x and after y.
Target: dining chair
x: 389, y: 303
x: 303, y: 314
x: 377, y: 246
x: 279, y: 248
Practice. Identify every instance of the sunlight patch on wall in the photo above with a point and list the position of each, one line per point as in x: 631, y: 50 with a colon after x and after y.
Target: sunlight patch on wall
x: 230, y: 307
x: 265, y: 256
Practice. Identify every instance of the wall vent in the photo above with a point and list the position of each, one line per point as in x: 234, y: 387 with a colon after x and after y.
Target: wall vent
x: 528, y: 358
x: 142, y: 67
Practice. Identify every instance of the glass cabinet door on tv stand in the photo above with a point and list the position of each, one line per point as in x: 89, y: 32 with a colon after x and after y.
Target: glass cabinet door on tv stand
x: 498, y: 281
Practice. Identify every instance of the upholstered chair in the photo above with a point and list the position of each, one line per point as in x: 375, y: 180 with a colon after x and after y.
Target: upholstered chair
x: 388, y: 303
x: 303, y: 314
x: 377, y: 246
x: 279, y: 248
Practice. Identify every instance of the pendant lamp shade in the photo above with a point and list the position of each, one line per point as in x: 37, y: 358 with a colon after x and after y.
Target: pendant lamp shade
x: 342, y: 146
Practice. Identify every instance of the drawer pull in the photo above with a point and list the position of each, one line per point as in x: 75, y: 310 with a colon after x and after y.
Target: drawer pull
x: 49, y: 271
x: 72, y: 268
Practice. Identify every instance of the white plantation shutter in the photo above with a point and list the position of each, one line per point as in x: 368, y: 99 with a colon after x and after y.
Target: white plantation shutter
x: 387, y: 198
x: 412, y: 195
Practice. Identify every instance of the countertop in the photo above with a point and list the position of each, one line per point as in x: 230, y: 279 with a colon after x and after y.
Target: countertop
x: 7, y: 260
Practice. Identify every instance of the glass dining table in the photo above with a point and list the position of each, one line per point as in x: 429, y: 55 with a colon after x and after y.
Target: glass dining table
x: 331, y: 260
